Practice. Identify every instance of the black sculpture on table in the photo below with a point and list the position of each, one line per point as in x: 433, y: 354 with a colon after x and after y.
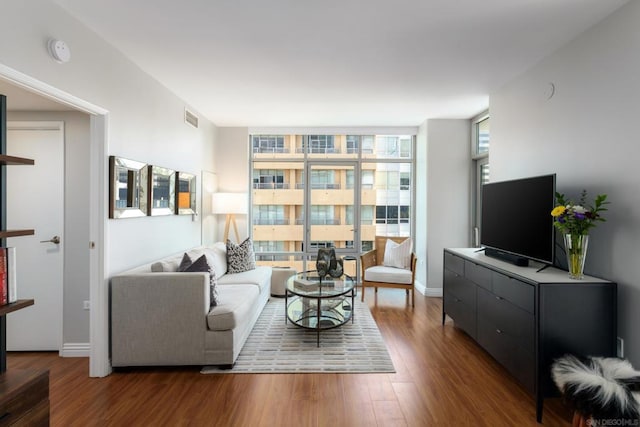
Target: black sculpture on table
x: 327, y: 263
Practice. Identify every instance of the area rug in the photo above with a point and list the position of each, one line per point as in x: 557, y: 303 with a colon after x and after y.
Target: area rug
x: 276, y: 347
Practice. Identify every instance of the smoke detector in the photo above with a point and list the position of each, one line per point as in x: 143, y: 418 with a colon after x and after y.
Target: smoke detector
x: 59, y: 51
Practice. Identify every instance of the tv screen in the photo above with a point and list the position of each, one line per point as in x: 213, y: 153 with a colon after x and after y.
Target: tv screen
x: 516, y: 217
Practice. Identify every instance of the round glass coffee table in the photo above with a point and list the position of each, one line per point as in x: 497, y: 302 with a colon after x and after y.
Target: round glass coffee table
x: 319, y: 304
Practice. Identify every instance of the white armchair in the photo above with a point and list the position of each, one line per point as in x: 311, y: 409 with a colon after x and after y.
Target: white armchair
x: 375, y: 274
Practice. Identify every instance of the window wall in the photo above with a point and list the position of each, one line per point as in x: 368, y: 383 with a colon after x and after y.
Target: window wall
x: 352, y: 179
x: 481, y: 136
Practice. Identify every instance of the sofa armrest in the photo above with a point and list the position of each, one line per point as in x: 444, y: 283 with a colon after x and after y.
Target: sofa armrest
x: 368, y: 259
x: 158, y: 318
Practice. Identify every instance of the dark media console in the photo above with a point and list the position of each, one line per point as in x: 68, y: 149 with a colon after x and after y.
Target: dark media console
x: 505, y: 256
x: 525, y: 318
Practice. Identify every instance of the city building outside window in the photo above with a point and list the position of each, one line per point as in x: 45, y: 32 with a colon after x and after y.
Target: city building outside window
x: 383, y: 166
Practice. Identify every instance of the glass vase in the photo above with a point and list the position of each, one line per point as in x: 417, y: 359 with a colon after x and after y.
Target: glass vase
x: 576, y: 247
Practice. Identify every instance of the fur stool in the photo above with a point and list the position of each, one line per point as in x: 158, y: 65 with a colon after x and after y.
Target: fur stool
x: 600, y: 389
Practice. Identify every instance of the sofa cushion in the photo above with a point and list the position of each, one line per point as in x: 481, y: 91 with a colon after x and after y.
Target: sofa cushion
x: 381, y: 273
x: 202, y: 266
x: 237, y: 302
x: 216, y: 257
x: 259, y: 276
x: 240, y: 257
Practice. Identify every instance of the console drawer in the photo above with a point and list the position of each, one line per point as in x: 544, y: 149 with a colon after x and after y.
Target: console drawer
x: 463, y: 315
x: 519, y: 293
x: 454, y: 263
x: 478, y: 274
x: 457, y: 285
x: 507, y: 351
x: 508, y: 318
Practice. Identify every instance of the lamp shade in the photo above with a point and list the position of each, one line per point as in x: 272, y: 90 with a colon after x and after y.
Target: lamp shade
x: 229, y: 203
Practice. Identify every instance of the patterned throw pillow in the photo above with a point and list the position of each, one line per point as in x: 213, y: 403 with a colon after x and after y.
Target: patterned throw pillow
x: 240, y: 257
x: 201, y: 265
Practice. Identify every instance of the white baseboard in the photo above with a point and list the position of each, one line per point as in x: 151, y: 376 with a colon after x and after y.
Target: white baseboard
x: 434, y: 292
x: 428, y: 292
x: 75, y: 349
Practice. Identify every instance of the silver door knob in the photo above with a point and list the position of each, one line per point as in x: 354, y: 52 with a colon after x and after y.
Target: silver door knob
x: 54, y: 239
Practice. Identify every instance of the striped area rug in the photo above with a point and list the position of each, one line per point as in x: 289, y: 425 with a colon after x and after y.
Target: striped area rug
x: 276, y: 347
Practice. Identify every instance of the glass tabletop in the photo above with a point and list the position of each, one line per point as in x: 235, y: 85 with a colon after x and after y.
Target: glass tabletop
x: 308, y: 284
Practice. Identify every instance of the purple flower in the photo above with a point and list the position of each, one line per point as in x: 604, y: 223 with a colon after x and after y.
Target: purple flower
x: 580, y: 216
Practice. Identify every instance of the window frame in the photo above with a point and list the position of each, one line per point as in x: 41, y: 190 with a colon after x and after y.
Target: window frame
x: 475, y: 121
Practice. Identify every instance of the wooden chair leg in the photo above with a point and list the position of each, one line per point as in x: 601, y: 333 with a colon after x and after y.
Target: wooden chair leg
x: 363, y: 287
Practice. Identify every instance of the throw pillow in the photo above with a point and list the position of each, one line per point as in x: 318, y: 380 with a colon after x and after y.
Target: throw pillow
x: 240, y: 257
x: 201, y: 265
x: 397, y: 254
x: 185, y: 263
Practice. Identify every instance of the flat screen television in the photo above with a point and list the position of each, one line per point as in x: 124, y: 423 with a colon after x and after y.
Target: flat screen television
x: 516, y: 222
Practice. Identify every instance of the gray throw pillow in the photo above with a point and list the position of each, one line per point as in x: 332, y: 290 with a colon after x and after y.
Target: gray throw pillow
x: 240, y: 257
x: 201, y: 265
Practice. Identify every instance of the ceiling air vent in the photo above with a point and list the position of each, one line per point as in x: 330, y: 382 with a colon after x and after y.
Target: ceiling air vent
x: 190, y: 118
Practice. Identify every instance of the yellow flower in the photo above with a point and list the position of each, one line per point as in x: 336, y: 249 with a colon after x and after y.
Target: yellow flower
x: 558, y: 210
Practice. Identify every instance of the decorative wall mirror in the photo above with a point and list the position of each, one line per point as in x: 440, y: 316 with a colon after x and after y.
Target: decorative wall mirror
x: 185, y: 193
x: 162, y: 191
x: 127, y: 188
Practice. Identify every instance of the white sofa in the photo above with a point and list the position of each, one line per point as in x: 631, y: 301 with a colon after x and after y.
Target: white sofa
x: 163, y: 317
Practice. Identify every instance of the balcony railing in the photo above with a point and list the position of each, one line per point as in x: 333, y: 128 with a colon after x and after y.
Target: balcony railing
x: 270, y: 150
x: 269, y: 221
x: 319, y: 186
x: 319, y: 150
x: 270, y: 186
x: 260, y: 257
x: 319, y: 221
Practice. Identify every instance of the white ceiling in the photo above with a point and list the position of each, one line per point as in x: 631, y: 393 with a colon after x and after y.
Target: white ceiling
x: 337, y: 62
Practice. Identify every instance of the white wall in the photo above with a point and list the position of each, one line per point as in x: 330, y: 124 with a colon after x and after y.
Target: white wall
x: 232, y: 167
x: 587, y: 133
x: 145, y: 119
x: 421, y: 220
x: 448, y: 192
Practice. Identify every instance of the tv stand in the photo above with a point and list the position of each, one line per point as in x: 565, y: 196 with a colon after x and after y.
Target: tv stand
x: 526, y: 319
x: 520, y: 261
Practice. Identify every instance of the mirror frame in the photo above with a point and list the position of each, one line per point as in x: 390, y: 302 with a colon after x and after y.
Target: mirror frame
x: 191, y: 179
x: 171, y: 197
x: 134, y: 167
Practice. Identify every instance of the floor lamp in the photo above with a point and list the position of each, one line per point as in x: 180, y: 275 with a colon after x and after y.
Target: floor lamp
x: 230, y: 204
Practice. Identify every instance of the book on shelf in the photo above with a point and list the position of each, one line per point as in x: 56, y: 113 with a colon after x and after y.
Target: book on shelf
x: 12, y: 271
x: 8, y: 282
x: 4, y: 282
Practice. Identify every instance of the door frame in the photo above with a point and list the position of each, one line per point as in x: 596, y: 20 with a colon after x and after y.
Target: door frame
x: 99, y: 364
x: 357, y: 193
x: 55, y: 125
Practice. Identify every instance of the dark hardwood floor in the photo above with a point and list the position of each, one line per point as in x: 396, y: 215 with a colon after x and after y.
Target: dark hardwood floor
x: 442, y: 379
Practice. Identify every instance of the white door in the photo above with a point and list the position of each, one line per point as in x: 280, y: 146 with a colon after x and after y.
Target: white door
x: 35, y: 200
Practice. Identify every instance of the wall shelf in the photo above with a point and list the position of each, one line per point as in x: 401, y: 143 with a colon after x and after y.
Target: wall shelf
x: 21, y: 303
x: 13, y: 160
x: 15, y: 233
x: 24, y: 394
